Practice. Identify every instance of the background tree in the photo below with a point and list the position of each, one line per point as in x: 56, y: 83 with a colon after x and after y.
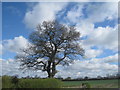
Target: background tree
x: 51, y: 44
x: 68, y: 78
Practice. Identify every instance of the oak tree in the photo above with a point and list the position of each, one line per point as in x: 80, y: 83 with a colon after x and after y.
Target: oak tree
x: 51, y: 44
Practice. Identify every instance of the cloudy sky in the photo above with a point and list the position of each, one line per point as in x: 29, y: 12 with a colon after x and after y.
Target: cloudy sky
x: 96, y: 21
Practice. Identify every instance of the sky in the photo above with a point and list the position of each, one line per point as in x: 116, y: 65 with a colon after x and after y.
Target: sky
x: 96, y: 21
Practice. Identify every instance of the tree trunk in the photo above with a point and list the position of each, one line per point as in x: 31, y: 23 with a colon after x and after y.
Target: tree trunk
x: 53, y: 69
x: 49, y: 69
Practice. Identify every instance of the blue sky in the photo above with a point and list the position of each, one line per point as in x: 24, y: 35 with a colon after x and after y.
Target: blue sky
x: 98, y: 25
x: 13, y: 24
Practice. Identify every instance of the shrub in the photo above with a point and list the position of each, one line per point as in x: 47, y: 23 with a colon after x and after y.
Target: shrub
x: 14, y: 82
x: 39, y: 83
x: 52, y: 83
x: 6, y: 82
x: 86, y: 85
x: 15, y: 79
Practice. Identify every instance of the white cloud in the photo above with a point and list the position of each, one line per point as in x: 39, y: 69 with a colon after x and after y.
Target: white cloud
x: 75, y: 13
x: 11, y: 67
x: 111, y: 59
x: 99, y: 12
x: 14, y: 45
x: 91, y: 68
x: 92, y: 53
x: 108, y: 59
x: 8, y: 67
x: 42, y: 12
x: 85, y: 28
x: 104, y: 38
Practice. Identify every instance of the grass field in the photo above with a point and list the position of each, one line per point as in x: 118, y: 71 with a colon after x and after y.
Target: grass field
x: 93, y: 83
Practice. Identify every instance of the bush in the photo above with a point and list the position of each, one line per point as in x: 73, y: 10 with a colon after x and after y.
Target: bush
x: 86, y: 85
x: 52, y: 83
x: 39, y: 83
x: 14, y: 82
x: 6, y: 82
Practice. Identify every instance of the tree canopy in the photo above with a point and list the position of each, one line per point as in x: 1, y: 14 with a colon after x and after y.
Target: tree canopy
x: 51, y: 44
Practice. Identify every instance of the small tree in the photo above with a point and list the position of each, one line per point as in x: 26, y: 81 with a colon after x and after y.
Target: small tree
x: 51, y: 44
x: 86, y: 78
x: 68, y: 78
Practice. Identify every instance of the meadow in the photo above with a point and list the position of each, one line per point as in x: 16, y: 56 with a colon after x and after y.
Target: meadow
x: 93, y: 83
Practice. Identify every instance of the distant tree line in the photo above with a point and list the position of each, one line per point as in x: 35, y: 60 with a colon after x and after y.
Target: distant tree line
x: 116, y: 76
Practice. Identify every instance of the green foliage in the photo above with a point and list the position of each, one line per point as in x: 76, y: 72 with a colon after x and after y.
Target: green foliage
x: 13, y: 82
x: 53, y: 83
x: 6, y: 82
x: 39, y: 83
x: 86, y: 85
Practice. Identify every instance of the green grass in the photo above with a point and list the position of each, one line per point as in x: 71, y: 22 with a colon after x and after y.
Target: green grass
x: 93, y: 83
